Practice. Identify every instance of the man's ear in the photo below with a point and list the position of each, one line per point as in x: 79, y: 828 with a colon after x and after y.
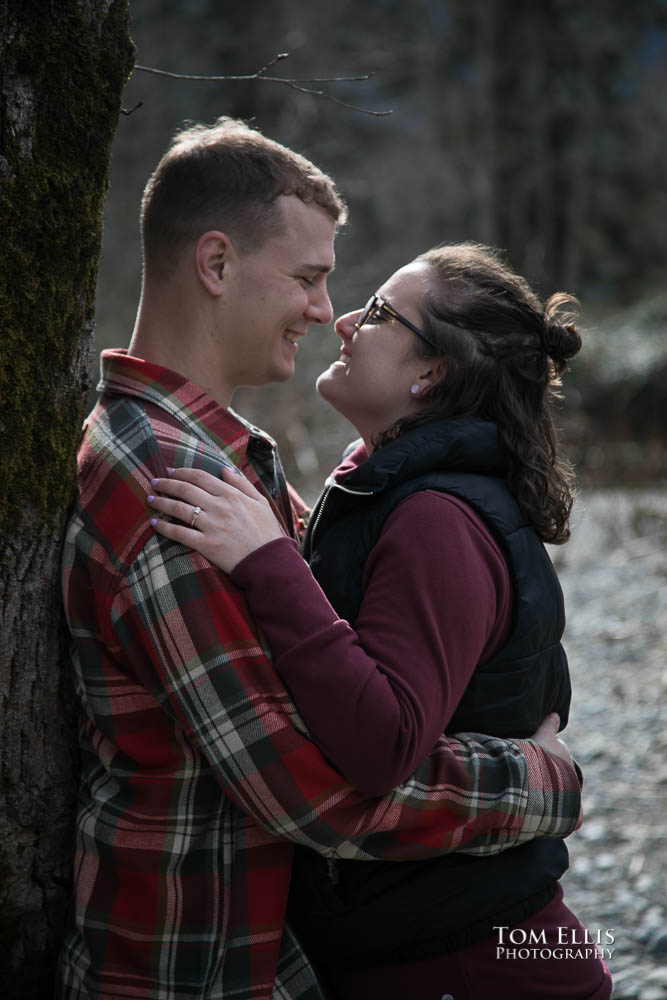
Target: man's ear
x: 212, y: 254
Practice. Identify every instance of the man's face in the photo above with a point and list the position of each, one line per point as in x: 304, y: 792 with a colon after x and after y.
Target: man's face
x: 278, y: 291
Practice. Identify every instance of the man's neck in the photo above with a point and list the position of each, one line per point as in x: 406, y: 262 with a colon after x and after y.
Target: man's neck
x: 168, y: 338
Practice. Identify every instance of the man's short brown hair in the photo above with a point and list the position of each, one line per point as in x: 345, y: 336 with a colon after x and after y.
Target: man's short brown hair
x: 226, y: 176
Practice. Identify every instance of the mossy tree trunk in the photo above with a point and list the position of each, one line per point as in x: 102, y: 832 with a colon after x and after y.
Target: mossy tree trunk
x: 62, y: 70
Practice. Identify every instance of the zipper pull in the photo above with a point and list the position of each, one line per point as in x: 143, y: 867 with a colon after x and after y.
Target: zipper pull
x: 313, y: 521
x: 332, y: 870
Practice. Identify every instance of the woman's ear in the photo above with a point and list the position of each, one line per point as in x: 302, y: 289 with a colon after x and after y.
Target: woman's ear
x: 429, y: 375
x: 212, y: 255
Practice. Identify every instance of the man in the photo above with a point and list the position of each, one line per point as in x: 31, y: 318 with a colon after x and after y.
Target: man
x: 197, y: 773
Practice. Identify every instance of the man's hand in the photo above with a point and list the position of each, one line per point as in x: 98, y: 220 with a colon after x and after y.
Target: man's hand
x: 546, y: 736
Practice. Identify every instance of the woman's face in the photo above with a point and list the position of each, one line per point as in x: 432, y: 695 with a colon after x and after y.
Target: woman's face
x: 371, y: 382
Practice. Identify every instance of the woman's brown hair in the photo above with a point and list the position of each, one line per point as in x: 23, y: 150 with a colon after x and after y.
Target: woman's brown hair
x: 503, y: 353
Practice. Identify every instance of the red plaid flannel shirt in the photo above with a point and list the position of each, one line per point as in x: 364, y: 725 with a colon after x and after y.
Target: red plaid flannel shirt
x: 197, y: 773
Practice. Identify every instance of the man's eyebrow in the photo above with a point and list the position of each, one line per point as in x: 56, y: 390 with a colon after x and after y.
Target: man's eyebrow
x: 320, y: 268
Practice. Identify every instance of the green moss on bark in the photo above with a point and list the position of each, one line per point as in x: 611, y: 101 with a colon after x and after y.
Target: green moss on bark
x: 75, y: 60
x: 62, y: 71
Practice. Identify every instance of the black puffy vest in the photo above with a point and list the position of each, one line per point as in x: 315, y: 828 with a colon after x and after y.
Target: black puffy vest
x: 511, y: 694
x: 379, y: 912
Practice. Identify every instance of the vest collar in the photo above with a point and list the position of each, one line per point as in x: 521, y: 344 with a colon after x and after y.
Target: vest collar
x: 467, y: 444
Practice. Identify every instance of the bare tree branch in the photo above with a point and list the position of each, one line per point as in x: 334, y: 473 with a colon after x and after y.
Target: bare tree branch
x: 125, y: 111
x: 294, y: 84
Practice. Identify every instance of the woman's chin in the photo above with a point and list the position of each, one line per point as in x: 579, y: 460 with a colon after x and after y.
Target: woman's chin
x: 328, y: 385
x: 324, y: 381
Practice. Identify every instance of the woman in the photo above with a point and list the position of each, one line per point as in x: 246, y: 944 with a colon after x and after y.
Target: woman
x: 448, y: 615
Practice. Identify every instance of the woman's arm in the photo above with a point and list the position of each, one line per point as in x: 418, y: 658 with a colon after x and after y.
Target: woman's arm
x: 436, y: 600
x: 376, y: 698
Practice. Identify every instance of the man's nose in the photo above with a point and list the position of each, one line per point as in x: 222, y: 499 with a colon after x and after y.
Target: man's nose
x: 320, y: 309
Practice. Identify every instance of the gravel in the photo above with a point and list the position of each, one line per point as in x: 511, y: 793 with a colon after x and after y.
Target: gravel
x: 614, y: 574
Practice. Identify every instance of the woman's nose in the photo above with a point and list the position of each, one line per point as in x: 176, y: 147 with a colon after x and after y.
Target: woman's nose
x: 345, y: 325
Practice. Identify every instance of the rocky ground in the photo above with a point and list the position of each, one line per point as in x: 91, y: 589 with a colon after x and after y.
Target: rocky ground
x: 614, y: 573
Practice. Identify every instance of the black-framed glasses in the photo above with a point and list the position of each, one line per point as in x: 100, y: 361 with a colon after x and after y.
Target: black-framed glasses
x: 376, y: 305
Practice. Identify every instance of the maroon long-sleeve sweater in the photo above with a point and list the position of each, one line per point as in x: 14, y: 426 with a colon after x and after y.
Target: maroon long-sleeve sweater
x: 437, y: 601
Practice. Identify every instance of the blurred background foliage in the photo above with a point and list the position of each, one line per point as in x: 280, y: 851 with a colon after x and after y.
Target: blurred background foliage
x: 540, y: 128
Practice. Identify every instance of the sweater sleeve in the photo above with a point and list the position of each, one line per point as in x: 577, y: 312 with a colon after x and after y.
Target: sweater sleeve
x: 437, y: 601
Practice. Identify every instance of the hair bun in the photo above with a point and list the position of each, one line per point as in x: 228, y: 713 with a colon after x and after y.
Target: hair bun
x: 561, y: 340
x: 560, y: 336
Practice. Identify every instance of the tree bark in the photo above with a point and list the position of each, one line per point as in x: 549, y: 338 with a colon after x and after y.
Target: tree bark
x: 62, y: 70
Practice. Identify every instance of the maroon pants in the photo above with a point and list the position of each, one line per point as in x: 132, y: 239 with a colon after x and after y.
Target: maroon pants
x: 556, y: 962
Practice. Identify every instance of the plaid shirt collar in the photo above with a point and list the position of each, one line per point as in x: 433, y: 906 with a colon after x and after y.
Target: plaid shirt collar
x: 245, y: 445
x: 123, y: 374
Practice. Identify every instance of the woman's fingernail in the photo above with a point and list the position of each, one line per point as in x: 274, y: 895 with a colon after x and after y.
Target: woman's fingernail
x: 154, y: 482
x: 153, y: 521
x: 169, y: 471
x: 150, y: 499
